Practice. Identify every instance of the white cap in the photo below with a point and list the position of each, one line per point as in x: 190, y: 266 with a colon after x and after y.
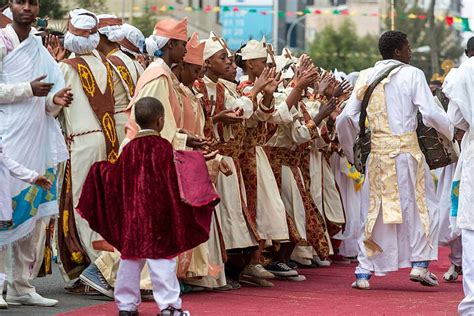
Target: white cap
x: 214, y: 44
x: 254, y: 50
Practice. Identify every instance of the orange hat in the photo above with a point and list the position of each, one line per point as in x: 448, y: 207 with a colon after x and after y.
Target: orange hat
x: 194, y: 51
x: 172, y: 29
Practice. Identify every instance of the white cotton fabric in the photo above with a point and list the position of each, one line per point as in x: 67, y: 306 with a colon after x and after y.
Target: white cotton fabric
x: 154, y: 43
x: 135, y: 36
x: 8, y: 13
x: 460, y: 112
x: 113, y: 33
x: 405, y: 94
x: 79, y: 44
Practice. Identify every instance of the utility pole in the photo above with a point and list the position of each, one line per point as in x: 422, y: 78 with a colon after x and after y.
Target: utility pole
x: 432, y: 37
x: 276, y: 18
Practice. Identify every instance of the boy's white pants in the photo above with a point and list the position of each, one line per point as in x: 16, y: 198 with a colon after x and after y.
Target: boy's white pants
x: 166, y: 289
x: 466, y: 307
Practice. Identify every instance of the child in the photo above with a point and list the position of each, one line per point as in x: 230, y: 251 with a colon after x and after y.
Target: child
x: 151, y: 205
x: 9, y: 167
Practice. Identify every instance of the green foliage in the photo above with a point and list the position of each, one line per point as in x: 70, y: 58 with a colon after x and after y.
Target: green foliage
x: 449, y: 44
x: 146, y: 22
x: 343, y: 49
x: 96, y: 6
x: 51, y: 8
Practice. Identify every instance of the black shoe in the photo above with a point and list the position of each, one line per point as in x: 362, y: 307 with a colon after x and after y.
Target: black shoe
x: 128, y: 313
x: 281, y: 269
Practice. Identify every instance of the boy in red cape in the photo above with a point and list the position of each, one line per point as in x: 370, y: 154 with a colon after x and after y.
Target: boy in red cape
x: 152, y: 204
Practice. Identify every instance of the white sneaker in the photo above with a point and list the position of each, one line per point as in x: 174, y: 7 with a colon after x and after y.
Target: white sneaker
x: 32, y: 299
x: 3, y: 304
x: 321, y: 263
x: 361, y: 284
x: 453, y: 273
x: 424, y: 276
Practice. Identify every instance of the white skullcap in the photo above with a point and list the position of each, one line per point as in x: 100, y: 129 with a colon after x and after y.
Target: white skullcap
x: 214, y: 44
x: 114, y: 33
x: 84, y: 20
x: 134, y: 37
x: 154, y: 44
x: 254, y: 50
x: 8, y: 13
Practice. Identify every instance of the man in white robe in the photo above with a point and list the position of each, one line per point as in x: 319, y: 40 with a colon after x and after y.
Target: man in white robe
x: 32, y: 137
x: 401, y: 228
x: 460, y: 112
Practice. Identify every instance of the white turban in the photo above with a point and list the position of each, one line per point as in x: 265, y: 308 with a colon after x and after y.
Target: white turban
x: 134, y: 36
x: 82, y: 19
x: 113, y: 33
x: 154, y: 44
x: 8, y: 13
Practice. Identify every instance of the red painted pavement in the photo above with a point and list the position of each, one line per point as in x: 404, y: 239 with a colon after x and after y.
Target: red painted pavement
x: 327, y: 291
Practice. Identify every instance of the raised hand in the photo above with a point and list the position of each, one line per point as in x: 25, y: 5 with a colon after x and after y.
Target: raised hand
x: 271, y: 87
x: 55, y: 48
x: 63, y: 97
x: 262, y: 81
x: 41, y: 89
x: 325, y: 110
x: 44, y: 182
x: 333, y: 116
x: 341, y: 88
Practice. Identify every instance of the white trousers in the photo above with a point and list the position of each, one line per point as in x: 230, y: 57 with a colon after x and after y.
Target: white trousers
x: 466, y: 307
x: 166, y: 287
x: 455, y: 256
x: 25, y: 261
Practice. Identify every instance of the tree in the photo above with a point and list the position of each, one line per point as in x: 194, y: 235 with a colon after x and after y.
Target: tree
x: 96, y: 6
x: 146, y: 22
x: 443, y: 41
x: 344, y: 49
x: 50, y: 8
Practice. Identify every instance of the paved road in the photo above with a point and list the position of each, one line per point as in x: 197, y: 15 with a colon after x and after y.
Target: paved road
x: 53, y: 287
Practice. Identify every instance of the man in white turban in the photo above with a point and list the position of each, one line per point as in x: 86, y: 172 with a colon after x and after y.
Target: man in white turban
x: 89, y: 127
x: 132, y: 45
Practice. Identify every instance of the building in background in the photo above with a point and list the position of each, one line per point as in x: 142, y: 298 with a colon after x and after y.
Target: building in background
x: 369, y: 23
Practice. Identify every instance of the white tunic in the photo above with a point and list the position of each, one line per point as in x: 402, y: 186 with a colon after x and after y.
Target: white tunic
x: 460, y: 112
x: 405, y: 94
x: 86, y: 149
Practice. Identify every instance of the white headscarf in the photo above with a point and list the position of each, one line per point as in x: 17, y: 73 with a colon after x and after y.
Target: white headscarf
x: 79, y: 44
x: 135, y: 36
x: 154, y: 44
x: 113, y: 33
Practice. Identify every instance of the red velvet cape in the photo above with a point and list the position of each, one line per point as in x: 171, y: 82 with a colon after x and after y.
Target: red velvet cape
x: 153, y: 202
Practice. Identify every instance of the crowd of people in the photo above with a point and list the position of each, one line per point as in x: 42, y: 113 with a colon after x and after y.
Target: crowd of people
x: 219, y: 168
